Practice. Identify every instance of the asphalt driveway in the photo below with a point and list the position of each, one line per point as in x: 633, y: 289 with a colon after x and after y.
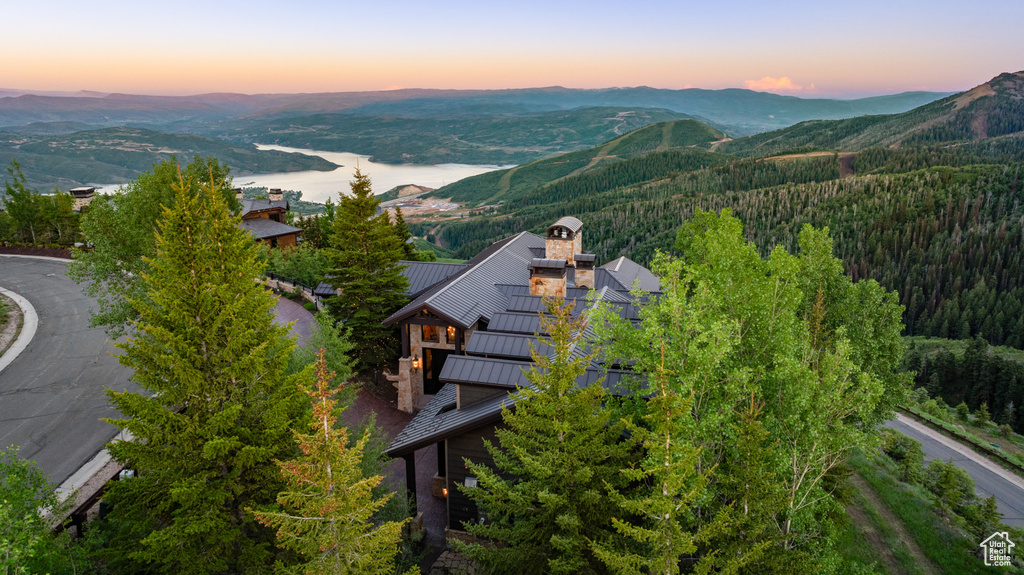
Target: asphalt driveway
x: 52, y: 395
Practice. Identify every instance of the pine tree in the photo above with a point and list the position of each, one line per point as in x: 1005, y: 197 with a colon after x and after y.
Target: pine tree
x: 329, y: 505
x: 216, y: 408
x: 402, y: 231
x: 365, y: 253
x: 653, y: 515
x: 560, y: 451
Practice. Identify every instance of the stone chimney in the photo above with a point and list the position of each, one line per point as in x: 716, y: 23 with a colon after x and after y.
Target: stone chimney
x: 585, y: 270
x: 547, y: 277
x: 275, y: 195
x: 564, y: 240
x: 238, y: 194
x: 83, y: 197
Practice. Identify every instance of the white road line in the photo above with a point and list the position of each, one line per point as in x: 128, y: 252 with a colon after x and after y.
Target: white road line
x: 28, y: 328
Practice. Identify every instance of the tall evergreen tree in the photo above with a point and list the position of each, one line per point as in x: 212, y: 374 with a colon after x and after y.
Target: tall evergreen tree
x: 560, y: 451
x: 216, y: 408
x: 365, y: 253
x: 402, y: 231
x: 329, y: 505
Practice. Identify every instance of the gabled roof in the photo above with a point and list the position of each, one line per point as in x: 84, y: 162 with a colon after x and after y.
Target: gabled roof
x: 262, y: 228
x: 262, y: 205
x: 628, y: 272
x: 473, y: 293
x: 422, y: 275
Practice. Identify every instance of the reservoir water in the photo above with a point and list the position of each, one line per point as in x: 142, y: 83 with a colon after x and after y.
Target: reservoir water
x: 318, y: 186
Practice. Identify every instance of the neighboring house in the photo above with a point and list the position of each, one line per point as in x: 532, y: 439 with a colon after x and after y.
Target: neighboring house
x: 466, y: 339
x: 264, y: 219
x: 83, y: 196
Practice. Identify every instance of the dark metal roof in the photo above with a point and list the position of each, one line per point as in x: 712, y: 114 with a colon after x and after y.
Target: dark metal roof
x: 541, y: 263
x: 629, y: 272
x: 473, y: 293
x: 508, y: 345
x: 324, y: 289
x: 438, y: 421
x: 485, y: 371
x: 422, y: 275
x: 262, y: 205
x: 539, y: 252
x: 510, y: 290
x: 536, y: 304
x: 262, y: 228
x: 584, y: 257
x: 604, y: 278
x: 570, y: 222
x: 528, y: 323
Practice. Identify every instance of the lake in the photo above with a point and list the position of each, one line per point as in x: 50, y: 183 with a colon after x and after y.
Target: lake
x: 318, y: 186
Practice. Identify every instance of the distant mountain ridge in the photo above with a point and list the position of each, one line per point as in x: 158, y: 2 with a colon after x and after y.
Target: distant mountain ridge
x: 991, y: 110
x: 741, y: 111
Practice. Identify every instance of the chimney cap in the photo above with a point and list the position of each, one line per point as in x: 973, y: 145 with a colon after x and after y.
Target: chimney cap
x: 571, y: 224
x: 584, y: 257
x: 541, y: 263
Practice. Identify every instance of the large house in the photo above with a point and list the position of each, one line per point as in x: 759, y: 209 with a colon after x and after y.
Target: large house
x: 466, y: 339
x: 264, y: 219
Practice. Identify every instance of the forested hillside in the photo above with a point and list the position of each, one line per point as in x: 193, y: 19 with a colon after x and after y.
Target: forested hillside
x: 992, y: 110
x: 480, y: 138
x: 117, y: 155
x: 513, y: 183
x: 938, y: 219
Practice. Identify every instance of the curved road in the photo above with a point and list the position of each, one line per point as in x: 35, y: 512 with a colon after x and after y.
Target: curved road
x: 989, y: 477
x: 52, y: 395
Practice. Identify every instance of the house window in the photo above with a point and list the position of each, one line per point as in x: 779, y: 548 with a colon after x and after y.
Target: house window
x: 451, y: 334
x: 430, y: 333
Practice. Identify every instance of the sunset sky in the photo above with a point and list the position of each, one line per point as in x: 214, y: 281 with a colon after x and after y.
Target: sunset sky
x: 812, y: 49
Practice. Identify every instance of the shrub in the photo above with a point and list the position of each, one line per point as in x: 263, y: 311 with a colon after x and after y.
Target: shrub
x: 907, y: 454
x: 963, y: 413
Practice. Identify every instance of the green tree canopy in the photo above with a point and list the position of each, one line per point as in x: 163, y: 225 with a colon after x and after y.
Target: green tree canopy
x: 365, y: 253
x: 328, y: 505
x: 557, y: 456
x: 122, y: 227
x: 216, y: 408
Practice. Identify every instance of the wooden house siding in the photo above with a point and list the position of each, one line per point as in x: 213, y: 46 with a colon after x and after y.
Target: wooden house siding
x: 469, y: 445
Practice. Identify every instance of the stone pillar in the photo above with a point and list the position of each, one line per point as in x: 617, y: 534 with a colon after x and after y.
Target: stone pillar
x: 403, y: 381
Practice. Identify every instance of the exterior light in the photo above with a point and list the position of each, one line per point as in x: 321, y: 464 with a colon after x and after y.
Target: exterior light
x: 444, y: 491
x: 415, y: 363
x: 451, y: 333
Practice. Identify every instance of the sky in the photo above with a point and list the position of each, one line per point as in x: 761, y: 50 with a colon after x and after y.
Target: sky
x: 794, y: 47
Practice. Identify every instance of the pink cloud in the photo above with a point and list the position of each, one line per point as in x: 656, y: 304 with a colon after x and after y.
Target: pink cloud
x: 783, y: 85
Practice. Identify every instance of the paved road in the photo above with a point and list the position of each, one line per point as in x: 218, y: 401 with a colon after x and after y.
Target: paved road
x: 52, y: 396
x: 989, y: 478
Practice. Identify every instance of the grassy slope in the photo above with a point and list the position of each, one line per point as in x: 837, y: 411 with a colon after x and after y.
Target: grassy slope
x: 515, y: 182
x: 948, y: 550
x: 115, y: 155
